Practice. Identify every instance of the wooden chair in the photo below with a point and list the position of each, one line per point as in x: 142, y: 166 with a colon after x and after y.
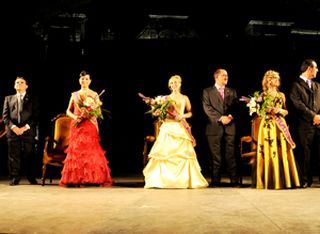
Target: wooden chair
x: 248, y: 148
x: 54, y: 147
x: 149, y: 140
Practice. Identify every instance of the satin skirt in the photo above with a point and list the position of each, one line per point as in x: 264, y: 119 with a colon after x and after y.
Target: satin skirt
x: 172, y: 160
x: 276, y: 165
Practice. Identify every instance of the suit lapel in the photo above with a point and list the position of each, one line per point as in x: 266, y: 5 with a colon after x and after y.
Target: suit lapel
x: 13, y: 104
x: 304, y: 84
x: 226, y: 93
x: 26, y: 98
x: 313, y: 86
x: 315, y: 90
x: 216, y: 99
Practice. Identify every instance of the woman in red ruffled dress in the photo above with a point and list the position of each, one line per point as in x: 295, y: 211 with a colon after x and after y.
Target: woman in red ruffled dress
x: 86, y: 163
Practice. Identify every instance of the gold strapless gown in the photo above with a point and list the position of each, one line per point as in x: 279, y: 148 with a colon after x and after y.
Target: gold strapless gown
x: 276, y: 165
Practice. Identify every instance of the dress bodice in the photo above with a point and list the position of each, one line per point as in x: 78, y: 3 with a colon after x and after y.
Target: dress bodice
x: 180, y: 105
x: 278, y: 100
x: 273, y: 101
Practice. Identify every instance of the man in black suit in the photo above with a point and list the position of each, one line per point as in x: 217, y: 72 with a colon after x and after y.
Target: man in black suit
x: 305, y: 99
x: 220, y: 104
x: 20, y: 114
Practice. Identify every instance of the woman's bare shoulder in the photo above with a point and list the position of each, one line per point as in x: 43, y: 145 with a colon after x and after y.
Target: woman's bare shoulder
x: 93, y: 93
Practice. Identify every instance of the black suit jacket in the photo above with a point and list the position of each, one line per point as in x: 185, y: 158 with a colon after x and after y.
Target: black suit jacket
x: 215, y: 107
x: 29, y: 114
x: 305, y: 101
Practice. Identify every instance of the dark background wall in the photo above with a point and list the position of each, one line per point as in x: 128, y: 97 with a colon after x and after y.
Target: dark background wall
x: 124, y: 65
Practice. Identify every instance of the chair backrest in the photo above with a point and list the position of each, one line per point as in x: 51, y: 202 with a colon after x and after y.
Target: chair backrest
x: 150, y: 139
x: 157, y: 125
x: 248, y: 154
x: 61, y: 132
x: 255, y: 124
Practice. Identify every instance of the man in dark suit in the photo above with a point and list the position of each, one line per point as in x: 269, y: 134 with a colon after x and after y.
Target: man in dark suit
x: 20, y: 114
x: 220, y: 104
x: 305, y: 99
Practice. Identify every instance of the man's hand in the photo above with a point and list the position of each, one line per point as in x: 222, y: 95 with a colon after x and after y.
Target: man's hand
x: 316, y: 120
x: 225, y: 119
x: 19, y: 131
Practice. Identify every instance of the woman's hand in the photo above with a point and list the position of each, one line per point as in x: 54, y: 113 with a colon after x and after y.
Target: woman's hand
x: 78, y: 118
x: 279, y: 111
x: 274, y: 111
x: 179, y: 117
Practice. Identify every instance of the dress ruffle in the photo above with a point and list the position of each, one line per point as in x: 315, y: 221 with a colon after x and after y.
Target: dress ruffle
x: 86, y: 162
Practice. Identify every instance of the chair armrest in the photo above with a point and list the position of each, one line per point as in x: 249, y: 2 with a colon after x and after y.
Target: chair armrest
x: 246, y: 139
x: 48, y: 144
x: 3, y: 131
x: 3, y: 128
x: 150, y: 138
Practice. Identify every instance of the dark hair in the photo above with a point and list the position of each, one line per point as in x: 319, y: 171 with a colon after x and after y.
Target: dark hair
x: 305, y: 64
x: 23, y: 78
x: 83, y: 73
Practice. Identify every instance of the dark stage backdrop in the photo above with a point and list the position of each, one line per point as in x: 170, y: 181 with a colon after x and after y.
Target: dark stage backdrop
x: 124, y: 68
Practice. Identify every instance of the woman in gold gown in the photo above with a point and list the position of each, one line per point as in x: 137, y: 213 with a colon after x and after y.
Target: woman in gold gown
x: 172, y: 159
x: 276, y: 166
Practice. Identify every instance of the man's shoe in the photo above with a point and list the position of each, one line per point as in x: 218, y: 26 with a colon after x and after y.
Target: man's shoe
x: 33, y: 181
x: 215, y: 184
x: 236, y: 185
x: 14, y: 181
x: 306, y: 184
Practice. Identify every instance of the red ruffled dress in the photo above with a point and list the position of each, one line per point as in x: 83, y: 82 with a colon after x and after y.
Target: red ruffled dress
x: 86, y: 163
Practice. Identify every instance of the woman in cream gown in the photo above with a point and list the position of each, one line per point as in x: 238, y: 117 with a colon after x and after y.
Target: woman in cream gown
x: 276, y: 166
x: 172, y: 159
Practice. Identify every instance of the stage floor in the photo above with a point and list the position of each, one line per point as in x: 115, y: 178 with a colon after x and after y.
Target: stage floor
x: 127, y: 207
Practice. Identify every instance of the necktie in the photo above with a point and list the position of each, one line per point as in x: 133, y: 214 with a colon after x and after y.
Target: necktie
x: 20, y: 105
x: 221, y: 91
x: 309, y: 83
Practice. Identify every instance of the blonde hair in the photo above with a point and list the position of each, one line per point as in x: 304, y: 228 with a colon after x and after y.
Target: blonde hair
x: 174, y: 77
x: 268, y: 76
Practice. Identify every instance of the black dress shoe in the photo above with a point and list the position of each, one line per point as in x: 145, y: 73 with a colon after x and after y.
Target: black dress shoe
x: 33, y: 181
x: 236, y: 185
x: 306, y: 184
x: 14, y: 181
x: 215, y: 184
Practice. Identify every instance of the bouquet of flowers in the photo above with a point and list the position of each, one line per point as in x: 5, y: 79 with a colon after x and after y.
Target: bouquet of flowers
x: 160, y: 106
x: 258, y: 103
x: 91, y: 107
